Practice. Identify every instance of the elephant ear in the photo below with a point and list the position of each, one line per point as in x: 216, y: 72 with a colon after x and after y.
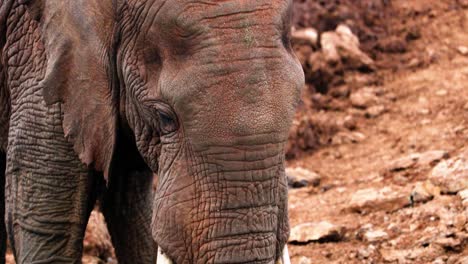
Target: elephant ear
x: 5, y: 7
x: 78, y: 41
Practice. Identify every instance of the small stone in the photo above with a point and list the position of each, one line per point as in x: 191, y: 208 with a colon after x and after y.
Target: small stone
x: 424, y: 192
x: 375, y: 111
x: 413, y: 34
x: 304, y: 260
x: 414, y: 63
x: 439, y: 261
x: 392, y: 45
x: 341, y: 91
x: 363, y: 98
x: 365, y: 253
x: 442, y: 92
x: 449, y: 243
x: 424, y: 111
x: 464, y: 4
x: 329, y: 42
x: 393, y: 255
x: 348, y: 137
x: 403, y: 163
x: 316, y: 232
x: 300, y: 177
x: 387, y: 199
x: 307, y: 35
x: 373, y: 236
x: 350, y: 122
x: 463, y: 50
x: 451, y: 175
x: 419, y: 159
x: 463, y: 260
x: 342, y: 44
x: 466, y: 106
x: 464, y: 197
x: 426, y: 122
x: 408, y: 255
x: 430, y: 157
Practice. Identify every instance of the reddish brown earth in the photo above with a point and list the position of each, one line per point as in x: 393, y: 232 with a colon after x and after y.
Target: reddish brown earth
x: 372, y: 136
x: 421, y: 85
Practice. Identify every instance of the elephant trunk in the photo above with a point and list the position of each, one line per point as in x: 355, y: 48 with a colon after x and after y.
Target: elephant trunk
x: 232, y: 209
x: 164, y: 259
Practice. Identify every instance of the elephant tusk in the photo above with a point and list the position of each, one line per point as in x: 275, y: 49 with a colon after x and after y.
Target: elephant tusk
x: 162, y: 258
x: 285, y: 258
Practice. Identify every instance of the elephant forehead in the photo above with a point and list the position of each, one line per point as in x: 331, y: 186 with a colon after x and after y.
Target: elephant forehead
x: 186, y: 17
x: 189, y: 11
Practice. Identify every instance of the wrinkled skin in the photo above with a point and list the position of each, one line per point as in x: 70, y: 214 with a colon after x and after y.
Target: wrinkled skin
x: 202, y: 93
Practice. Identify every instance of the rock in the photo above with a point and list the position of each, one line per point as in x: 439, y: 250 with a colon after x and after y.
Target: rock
x: 387, y: 199
x: 373, y: 236
x: 363, y: 98
x: 449, y: 243
x: 420, y: 159
x: 424, y: 192
x: 341, y: 91
x: 464, y: 197
x: 451, y: 175
x: 304, y: 260
x: 442, y: 92
x: 463, y: 50
x: 414, y: 33
x: 350, y: 122
x: 438, y: 261
x: 375, y: 111
x: 392, y: 45
x: 415, y: 63
x: 342, y: 44
x: 329, y: 42
x: 409, y: 255
x: 316, y: 232
x: 463, y: 4
x: 365, y: 253
x: 347, y: 138
x: 404, y: 163
x: 463, y: 260
x: 430, y: 157
x: 300, y: 177
x: 305, y: 35
x: 393, y: 256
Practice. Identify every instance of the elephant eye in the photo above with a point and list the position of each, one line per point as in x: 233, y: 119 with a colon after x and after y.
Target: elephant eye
x: 167, y: 122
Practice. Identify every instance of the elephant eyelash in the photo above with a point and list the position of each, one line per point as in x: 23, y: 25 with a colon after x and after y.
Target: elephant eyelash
x: 167, y: 123
x: 162, y: 117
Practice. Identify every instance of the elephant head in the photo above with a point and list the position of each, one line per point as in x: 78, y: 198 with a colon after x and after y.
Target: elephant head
x: 206, y: 92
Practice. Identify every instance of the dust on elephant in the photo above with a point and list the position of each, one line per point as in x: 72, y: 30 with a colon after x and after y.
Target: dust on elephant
x: 201, y: 93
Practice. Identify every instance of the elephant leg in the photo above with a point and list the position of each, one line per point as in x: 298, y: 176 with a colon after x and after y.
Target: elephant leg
x: 127, y: 208
x: 3, y: 236
x: 48, y: 190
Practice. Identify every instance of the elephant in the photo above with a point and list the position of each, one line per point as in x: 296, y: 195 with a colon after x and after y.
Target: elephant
x: 101, y: 99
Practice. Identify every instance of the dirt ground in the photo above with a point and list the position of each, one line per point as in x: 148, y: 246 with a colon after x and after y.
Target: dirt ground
x: 381, y: 149
x: 375, y: 200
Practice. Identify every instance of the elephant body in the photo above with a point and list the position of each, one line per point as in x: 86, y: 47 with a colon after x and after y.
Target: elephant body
x: 98, y: 96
